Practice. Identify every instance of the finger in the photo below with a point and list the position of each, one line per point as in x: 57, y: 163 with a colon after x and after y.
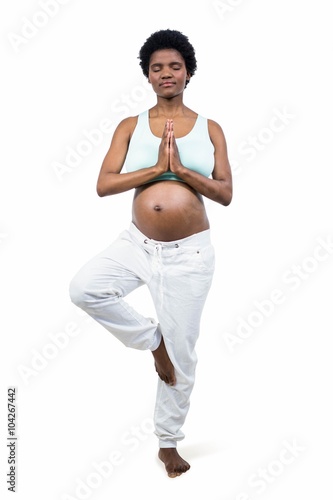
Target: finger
x: 165, y: 131
x: 172, y: 138
x: 169, y: 138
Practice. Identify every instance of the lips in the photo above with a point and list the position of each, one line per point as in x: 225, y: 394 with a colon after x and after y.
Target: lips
x: 167, y: 84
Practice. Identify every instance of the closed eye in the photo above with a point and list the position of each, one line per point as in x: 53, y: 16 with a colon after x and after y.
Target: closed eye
x: 155, y: 68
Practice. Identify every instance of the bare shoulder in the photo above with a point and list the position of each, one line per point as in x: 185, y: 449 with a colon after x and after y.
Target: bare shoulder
x: 215, y: 132
x: 127, y: 125
x: 214, y: 127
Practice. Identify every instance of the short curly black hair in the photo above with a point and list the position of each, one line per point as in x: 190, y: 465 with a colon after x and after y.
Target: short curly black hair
x: 168, y: 39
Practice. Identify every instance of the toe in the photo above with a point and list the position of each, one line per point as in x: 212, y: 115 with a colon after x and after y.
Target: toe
x: 173, y: 474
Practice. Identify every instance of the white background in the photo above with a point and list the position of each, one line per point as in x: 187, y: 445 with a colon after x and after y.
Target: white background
x: 255, y: 58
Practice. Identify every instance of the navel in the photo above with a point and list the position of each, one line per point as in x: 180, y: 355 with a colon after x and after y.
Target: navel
x: 158, y: 208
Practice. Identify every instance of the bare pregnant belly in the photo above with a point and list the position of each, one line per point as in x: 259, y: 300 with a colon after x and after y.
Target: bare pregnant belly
x: 168, y: 211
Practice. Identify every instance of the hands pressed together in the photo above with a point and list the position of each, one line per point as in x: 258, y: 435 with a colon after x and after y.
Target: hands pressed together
x: 168, y: 155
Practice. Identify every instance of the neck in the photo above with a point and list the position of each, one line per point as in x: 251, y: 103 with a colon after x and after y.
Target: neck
x: 169, y: 108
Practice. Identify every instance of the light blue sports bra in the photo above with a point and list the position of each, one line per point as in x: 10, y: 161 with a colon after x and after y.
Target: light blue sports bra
x: 196, y: 150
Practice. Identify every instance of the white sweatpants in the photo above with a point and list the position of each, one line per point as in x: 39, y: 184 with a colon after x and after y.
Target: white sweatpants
x: 178, y: 275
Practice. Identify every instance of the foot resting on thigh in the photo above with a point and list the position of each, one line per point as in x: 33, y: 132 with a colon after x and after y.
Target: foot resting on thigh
x: 174, y: 464
x: 163, y: 364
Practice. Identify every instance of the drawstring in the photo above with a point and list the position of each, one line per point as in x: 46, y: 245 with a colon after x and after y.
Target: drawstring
x: 157, y: 264
x: 158, y: 267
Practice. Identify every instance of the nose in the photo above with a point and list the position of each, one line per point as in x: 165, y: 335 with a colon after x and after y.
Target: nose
x: 166, y: 74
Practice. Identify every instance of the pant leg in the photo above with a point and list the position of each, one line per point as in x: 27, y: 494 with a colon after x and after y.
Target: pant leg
x: 179, y: 289
x: 100, y: 286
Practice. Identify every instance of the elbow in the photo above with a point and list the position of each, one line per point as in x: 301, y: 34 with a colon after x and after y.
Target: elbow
x: 100, y: 191
x: 228, y: 192
x: 103, y: 187
x: 225, y: 196
x: 227, y: 200
x: 100, y: 188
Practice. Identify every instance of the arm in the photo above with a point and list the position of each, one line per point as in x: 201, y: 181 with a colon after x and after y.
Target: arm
x: 110, y: 180
x: 219, y: 188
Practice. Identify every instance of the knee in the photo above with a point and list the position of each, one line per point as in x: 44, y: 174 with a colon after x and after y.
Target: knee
x: 83, y: 291
x: 77, y: 292
x: 86, y: 291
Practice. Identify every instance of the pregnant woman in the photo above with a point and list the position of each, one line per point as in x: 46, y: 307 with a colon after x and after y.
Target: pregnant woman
x: 173, y: 157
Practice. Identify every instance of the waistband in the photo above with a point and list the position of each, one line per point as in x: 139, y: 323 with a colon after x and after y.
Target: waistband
x: 198, y: 239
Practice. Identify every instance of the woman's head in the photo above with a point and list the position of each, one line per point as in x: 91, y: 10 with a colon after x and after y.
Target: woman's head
x: 168, y: 39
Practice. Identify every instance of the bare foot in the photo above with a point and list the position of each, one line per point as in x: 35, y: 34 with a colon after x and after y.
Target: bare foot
x: 163, y: 364
x: 174, y: 464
